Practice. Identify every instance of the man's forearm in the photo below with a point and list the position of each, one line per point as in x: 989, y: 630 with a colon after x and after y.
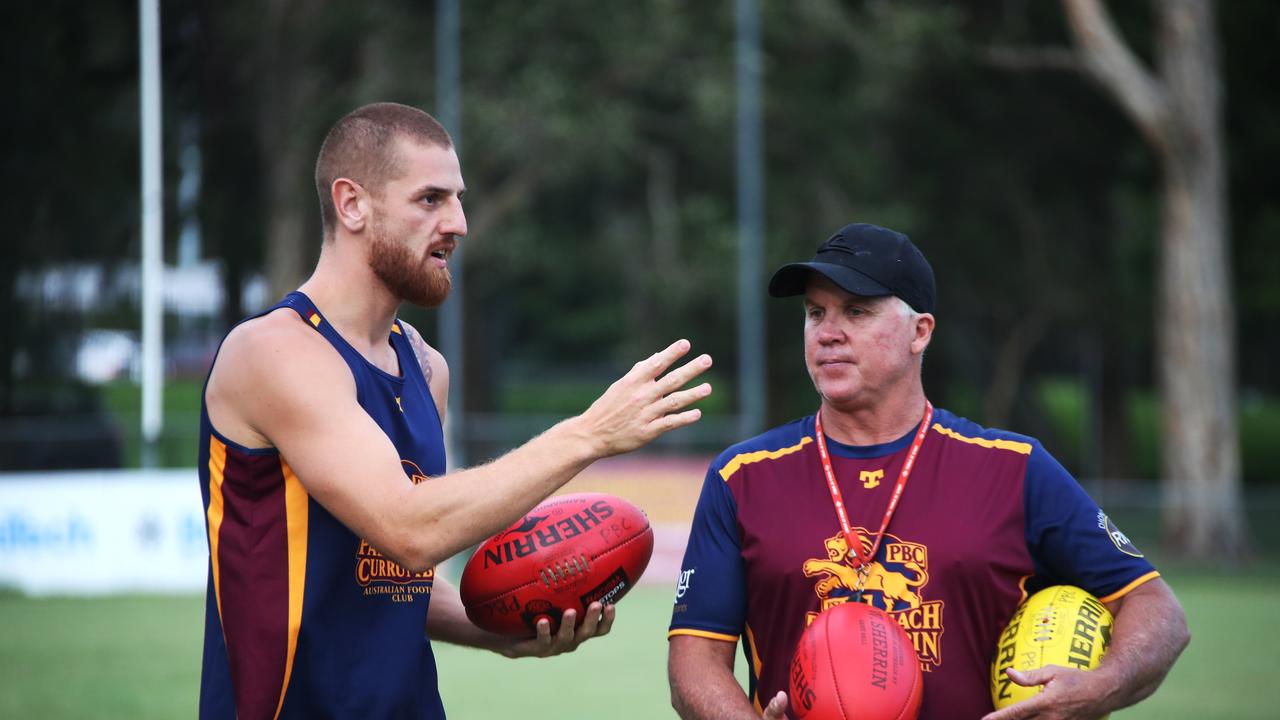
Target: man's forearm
x: 447, y: 621
x: 703, y: 686
x: 1150, y: 633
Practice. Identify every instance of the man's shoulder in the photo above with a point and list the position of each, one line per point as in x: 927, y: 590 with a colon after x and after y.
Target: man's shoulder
x: 278, y: 342
x: 963, y: 430
x: 774, y: 442
x: 279, y: 330
x: 420, y: 346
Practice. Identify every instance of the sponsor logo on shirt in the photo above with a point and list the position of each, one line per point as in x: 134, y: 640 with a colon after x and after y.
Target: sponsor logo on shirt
x: 892, y: 582
x: 1121, y: 541
x: 682, y: 582
x: 379, y: 575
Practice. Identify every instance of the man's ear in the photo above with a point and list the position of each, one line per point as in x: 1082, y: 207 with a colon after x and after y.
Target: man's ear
x: 350, y: 204
x: 924, y: 333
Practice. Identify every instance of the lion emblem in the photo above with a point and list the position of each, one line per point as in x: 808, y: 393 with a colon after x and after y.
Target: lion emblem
x: 896, y: 590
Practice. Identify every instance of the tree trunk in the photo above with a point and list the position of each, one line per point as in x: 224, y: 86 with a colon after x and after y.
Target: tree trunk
x: 1180, y: 115
x: 1196, y: 328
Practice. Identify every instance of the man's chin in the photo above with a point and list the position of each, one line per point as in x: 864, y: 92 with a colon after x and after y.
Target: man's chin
x: 428, y: 300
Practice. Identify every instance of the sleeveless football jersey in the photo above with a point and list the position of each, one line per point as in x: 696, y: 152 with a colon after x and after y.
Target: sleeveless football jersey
x: 304, y: 619
x: 987, y: 517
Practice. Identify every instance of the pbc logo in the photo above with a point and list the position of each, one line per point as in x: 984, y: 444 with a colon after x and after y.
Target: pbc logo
x: 871, y: 478
x: 893, y: 581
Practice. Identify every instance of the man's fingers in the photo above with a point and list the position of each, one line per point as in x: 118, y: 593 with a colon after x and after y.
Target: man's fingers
x: 568, y: 621
x: 777, y: 707
x: 679, y: 400
x: 606, y: 621
x: 1017, y: 711
x: 590, y: 621
x: 667, y: 423
x: 1030, y: 706
x: 658, y: 362
x: 1038, y: 676
x: 543, y: 630
x: 681, y: 376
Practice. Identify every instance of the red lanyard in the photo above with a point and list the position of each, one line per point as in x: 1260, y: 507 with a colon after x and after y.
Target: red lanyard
x: 850, y: 537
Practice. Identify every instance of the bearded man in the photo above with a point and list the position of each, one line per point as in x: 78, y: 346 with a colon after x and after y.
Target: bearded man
x: 322, y: 462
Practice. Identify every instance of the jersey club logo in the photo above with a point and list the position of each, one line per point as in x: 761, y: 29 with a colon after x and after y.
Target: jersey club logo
x: 893, y: 583
x: 379, y: 575
x: 871, y: 478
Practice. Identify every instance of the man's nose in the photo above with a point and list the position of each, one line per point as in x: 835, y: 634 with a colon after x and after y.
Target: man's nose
x: 829, y: 332
x: 456, y: 222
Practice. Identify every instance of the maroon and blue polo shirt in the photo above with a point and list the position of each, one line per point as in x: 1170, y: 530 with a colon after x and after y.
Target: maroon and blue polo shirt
x: 987, y: 518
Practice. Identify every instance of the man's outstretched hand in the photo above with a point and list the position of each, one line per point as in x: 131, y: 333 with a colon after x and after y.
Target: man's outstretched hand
x: 644, y: 403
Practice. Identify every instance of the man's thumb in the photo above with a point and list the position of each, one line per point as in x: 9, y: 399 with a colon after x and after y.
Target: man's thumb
x: 777, y: 707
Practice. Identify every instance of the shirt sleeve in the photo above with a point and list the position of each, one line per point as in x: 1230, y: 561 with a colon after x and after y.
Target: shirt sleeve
x: 710, y: 592
x: 1072, y: 541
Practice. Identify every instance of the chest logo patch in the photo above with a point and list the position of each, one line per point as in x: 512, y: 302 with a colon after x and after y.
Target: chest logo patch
x: 871, y: 478
x: 893, y: 582
x: 380, y: 576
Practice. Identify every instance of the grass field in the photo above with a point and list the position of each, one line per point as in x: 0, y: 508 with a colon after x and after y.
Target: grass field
x: 139, y: 657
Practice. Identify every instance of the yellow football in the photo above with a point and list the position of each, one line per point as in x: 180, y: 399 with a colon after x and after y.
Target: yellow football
x: 1060, y: 625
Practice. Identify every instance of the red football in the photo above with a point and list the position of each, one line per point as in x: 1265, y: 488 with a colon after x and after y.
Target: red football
x: 855, y: 662
x: 568, y: 552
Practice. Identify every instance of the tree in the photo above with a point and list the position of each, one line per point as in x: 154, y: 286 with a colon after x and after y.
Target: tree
x: 1178, y: 110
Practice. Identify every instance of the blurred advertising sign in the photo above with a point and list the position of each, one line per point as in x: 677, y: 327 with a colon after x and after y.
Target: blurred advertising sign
x: 102, y: 532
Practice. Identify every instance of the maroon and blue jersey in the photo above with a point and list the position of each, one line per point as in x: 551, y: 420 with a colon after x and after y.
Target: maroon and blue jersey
x: 303, y: 618
x: 987, y: 518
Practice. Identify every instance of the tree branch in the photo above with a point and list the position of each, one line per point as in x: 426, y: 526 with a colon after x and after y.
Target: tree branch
x: 1108, y: 60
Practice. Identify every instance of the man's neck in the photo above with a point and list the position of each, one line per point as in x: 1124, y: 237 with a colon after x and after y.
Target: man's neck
x: 876, y: 424
x: 350, y: 296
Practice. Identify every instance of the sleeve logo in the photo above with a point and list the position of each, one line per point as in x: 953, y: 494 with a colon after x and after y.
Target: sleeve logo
x: 682, y: 583
x: 1119, y: 539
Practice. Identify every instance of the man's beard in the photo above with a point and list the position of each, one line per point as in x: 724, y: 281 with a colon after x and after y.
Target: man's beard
x: 412, y: 279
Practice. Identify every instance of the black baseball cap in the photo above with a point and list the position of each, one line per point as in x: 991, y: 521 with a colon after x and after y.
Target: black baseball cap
x: 865, y: 260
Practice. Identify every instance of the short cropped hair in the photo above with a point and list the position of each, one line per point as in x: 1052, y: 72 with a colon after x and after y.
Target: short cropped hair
x: 361, y: 147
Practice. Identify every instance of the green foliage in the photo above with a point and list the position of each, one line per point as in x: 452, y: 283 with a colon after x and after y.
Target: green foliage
x: 598, y: 146
x: 1064, y: 402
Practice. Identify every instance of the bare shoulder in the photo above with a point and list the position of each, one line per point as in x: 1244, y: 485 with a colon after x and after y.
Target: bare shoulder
x: 434, y: 368
x: 431, y: 361
x: 264, y: 368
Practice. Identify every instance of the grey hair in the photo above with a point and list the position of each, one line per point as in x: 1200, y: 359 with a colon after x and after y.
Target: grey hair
x: 904, y: 309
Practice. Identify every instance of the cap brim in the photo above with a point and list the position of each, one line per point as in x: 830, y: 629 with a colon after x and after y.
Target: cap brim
x: 790, y: 280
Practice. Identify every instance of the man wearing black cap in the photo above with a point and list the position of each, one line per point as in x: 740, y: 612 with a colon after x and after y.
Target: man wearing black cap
x: 881, y: 498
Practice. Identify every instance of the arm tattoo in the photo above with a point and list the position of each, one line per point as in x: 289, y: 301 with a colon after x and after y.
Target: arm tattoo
x: 419, y: 351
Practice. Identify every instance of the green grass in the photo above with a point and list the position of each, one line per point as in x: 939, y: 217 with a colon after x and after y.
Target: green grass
x: 111, y: 657
x: 139, y: 657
